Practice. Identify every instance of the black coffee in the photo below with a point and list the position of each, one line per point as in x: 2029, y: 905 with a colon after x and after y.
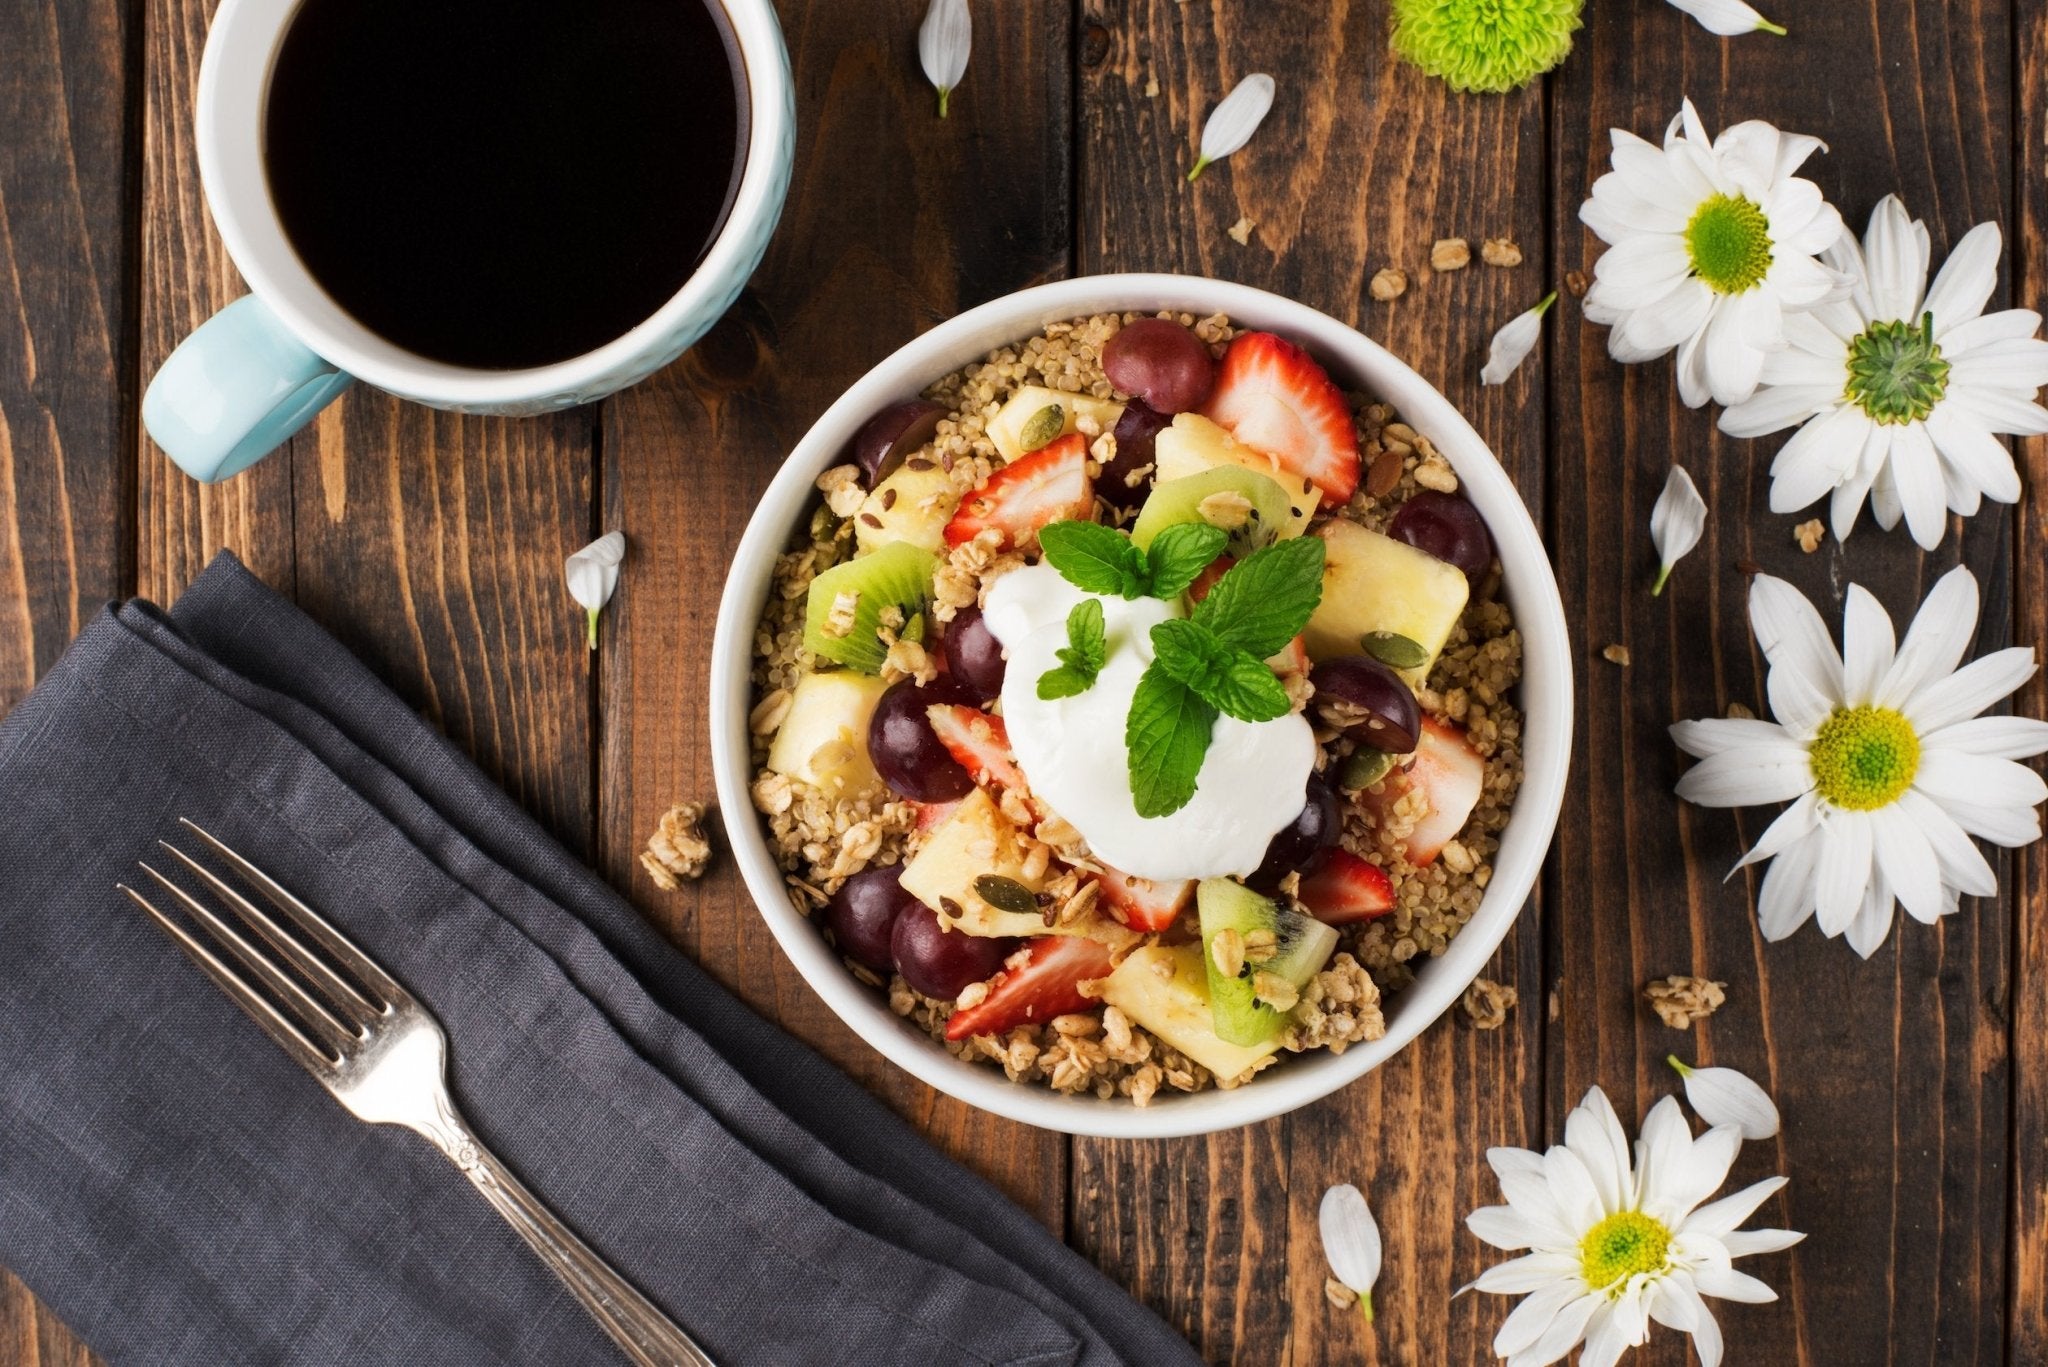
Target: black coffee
x: 504, y: 183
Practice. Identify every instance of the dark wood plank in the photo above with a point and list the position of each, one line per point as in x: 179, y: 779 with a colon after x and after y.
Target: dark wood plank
x: 1361, y: 165
x: 896, y: 220
x: 2027, y: 1296
x: 66, y: 327
x: 1892, y: 1074
x: 68, y: 92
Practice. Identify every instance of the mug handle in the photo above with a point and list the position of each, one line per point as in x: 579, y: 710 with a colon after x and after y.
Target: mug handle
x: 236, y: 390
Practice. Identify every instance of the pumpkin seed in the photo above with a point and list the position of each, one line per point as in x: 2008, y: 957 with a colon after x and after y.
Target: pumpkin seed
x: 1394, y: 650
x: 1042, y: 427
x: 1363, y: 768
x: 1005, y: 894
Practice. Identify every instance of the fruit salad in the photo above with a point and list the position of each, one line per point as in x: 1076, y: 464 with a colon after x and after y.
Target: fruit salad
x: 1135, y: 707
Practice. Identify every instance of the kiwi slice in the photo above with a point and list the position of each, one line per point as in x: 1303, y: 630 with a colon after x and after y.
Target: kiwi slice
x: 1301, y: 946
x: 1180, y: 500
x: 897, y: 575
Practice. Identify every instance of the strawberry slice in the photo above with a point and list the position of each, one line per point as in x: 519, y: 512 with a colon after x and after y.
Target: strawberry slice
x: 980, y: 744
x: 1292, y: 658
x: 1046, y: 983
x: 1448, y: 771
x: 1050, y: 484
x: 1346, y: 889
x: 1141, y: 903
x: 931, y: 815
x: 1275, y: 399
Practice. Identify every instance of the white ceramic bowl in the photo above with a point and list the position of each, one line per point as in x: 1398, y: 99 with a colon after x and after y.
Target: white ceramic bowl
x: 1545, y: 699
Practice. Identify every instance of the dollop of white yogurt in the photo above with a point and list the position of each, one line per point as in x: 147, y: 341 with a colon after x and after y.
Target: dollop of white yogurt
x: 1253, y: 778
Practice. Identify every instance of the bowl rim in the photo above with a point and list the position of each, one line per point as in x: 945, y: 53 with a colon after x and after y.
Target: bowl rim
x: 1545, y: 696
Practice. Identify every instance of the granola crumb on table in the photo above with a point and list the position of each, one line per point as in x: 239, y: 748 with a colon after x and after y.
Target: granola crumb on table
x: 1488, y: 1003
x: 821, y: 839
x: 1680, y: 999
x: 679, y: 850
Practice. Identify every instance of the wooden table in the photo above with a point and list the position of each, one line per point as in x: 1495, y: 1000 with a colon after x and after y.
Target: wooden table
x: 1914, y: 1086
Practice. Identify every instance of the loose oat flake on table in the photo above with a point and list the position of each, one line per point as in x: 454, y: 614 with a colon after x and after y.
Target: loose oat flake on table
x: 1881, y: 752
x: 1611, y: 1245
x: 1711, y: 243
x: 1062, y: 742
x: 1901, y: 391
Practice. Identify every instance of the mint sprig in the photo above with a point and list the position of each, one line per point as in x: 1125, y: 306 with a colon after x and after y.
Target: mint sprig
x: 1214, y: 664
x: 1082, y: 657
x: 1099, y: 559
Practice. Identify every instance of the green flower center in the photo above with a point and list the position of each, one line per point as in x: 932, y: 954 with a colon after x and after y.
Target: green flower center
x: 1626, y: 1244
x: 1730, y: 242
x: 1896, y: 372
x: 1864, y: 757
x: 1490, y: 45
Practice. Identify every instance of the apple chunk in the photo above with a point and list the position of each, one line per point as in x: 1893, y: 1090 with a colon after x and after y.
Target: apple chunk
x: 1006, y: 428
x: 1165, y: 988
x: 1194, y: 444
x: 1375, y: 583
x: 823, y: 741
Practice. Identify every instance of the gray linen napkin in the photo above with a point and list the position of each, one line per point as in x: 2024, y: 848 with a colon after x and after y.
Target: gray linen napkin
x: 181, y: 1193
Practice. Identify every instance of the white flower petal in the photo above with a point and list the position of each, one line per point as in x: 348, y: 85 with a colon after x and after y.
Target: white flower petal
x: 2002, y: 737
x: 1714, y: 734
x: 1527, y: 1273
x: 1775, y: 407
x: 1502, y: 1226
x: 943, y: 41
x: 1819, y: 457
x: 1743, y: 1243
x: 1999, y: 411
x: 1969, y: 449
x: 1726, y: 1096
x: 1512, y: 344
x: 1719, y: 1218
x: 1935, y: 642
x: 1868, y: 646
x: 1676, y: 522
x: 1529, y: 1321
x: 1907, y: 861
x: 1872, y: 923
x: 593, y: 572
x: 1969, y: 690
x: 1232, y: 123
x: 1946, y: 775
x: 1679, y: 1306
x: 2007, y: 325
x: 1725, y: 1283
x: 1844, y: 871
x: 1967, y: 279
x: 1351, y: 1237
x: 1895, y: 256
x: 1792, y: 636
x: 2018, y: 365
x: 1747, y: 778
x: 1785, y: 901
x: 1727, y: 19
x: 1918, y: 475
x: 1962, y: 865
x: 1793, y: 825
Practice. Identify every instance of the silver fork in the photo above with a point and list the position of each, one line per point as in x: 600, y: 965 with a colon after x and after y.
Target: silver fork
x: 382, y: 1055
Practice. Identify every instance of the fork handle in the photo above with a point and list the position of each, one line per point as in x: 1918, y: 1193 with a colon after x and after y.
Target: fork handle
x: 636, y: 1324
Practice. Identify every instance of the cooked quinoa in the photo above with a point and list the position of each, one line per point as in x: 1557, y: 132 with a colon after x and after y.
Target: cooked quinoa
x: 820, y: 841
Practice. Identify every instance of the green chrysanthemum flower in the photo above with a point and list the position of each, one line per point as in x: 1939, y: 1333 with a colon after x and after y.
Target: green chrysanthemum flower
x: 1486, y: 45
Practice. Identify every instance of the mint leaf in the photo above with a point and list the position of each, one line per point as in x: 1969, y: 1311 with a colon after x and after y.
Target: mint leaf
x: 1082, y: 657
x: 1063, y: 682
x: 1264, y: 600
x: 1180, y: 553
x: 1096, y: 558
x: 1228, y: 679
x: 1167, y: 733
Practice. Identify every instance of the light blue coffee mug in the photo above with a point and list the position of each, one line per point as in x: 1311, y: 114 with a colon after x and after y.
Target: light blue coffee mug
x: 261, y: 368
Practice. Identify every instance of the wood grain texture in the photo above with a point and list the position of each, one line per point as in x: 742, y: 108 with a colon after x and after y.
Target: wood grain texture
x: 2027, y: 1295
x: 68, y: 91
x: 1893, y: 1073
x: 66, y: 343
x: 1361, y: 165
x: 896, y: 221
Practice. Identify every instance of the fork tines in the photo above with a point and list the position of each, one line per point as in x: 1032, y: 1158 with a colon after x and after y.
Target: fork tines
x: 318, y: 1011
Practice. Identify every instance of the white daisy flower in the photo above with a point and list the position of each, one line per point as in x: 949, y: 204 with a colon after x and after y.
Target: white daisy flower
x: 1727, y: 18
x: 1903, y: 390
x: 592, y: 574
x: 1615, y: 1244
x: 1728, y: 1096
x: 1712, y: 244
x: 1883, y: 757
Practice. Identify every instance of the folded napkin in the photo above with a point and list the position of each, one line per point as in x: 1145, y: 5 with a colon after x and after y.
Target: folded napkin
x: 180, y: 1192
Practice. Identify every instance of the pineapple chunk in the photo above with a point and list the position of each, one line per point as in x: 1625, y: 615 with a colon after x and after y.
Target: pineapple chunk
x: 1006, y: 428
x: 976, y: 840
x: 910, y: 505
x: 1194, y: 444
x: 1375, y: 583
x: 824, y: 739
x: 1165, y: 988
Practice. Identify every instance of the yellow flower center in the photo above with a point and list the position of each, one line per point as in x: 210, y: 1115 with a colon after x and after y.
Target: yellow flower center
x: 1864, y: 757
x: 1626, y: 1244
x: 1730, y: 243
